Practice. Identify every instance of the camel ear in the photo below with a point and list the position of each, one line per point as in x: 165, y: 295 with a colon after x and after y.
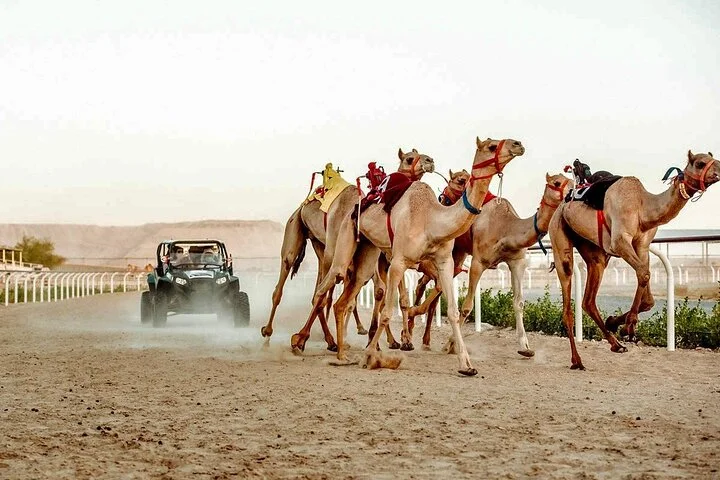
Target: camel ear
x: 466, y: 172
x: 691, y: 157
x: 451, y: 174
x: 710, y: 153
x: 478, y: 143
x: 547, y: 177
x: 400, y: 153
x: 415, y: 151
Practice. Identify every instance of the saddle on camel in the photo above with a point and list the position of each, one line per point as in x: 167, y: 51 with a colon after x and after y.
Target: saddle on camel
x: 331, y: 187
x: 590, y: 188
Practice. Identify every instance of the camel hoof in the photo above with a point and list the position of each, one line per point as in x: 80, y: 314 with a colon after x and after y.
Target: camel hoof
x: 577, y: 366
x: 469, y: 372
x: 297, y: 345
x: 394, y: 346
x: 362, y: 331
x: 527, y: 353
x: 426, y: 348
x: 333, y: 347
x: 619, y: 348
x: 265, y: 332
x: 407, y: 347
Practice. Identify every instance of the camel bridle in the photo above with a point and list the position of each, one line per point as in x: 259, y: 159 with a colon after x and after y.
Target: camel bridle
x: 414, y: 176
x: 699, y: 179
x: 495, y: 160
x: 560, y: 190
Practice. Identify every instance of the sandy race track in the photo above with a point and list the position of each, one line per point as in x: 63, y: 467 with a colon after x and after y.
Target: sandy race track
x: 86, y: 391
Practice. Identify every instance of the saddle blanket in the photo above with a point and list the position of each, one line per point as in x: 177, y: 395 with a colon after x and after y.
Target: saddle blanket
x: 331, y: 187
x: 592, y: 195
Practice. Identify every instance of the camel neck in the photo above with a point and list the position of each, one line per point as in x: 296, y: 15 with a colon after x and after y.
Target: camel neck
x: 661, y: 208
x: 522, y: 232
x: 457, y: 219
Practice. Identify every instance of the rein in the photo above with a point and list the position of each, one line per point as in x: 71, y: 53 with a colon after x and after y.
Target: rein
x: 681, y: 179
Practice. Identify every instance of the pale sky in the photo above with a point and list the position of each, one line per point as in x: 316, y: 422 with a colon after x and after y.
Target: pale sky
x: 129, y: 112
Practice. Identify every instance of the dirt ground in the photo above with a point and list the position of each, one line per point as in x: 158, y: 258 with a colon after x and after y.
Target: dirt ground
x: 86, y: 391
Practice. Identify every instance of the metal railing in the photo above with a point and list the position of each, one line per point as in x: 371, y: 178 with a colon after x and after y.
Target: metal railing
x: 26, y: 287
x: 366, y: 298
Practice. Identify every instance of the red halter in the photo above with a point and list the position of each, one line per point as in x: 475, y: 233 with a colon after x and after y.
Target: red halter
x: 560, y: 190
x: 413, y: 176
x: 485, y: 163
x: 700, y: 179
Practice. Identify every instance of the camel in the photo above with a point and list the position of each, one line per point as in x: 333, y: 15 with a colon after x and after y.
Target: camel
x: 499, y: 235
x: 308, y: 222
x: 413, y: 165
x: 419, y: 233
x: 624, y: 228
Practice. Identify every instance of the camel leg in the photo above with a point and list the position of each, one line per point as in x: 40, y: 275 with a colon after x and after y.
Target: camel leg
x: 373, y: 357
x: 430, y: 312
x: 329, y: 302
x: 562, y: 250
x: 517, y: 272
x: 322, y: 315
x: 380, y: 282
x: 596, y: 262
x: 445, y: 278
x: 407, y: 344
x: 477, y: 268
x: 639, y: 260
x: 419, y: 291
x: 344, y: 252
x: 358, y: 324
x: 292, y: 250
x: 365, y: 261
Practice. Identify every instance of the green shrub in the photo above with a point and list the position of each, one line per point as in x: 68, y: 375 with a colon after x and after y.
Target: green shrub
x: 694, y: 327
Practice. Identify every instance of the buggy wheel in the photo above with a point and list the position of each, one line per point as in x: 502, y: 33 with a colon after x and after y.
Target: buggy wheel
x: 242, y: 310
x: 160, y: 310
x: 146, y: 311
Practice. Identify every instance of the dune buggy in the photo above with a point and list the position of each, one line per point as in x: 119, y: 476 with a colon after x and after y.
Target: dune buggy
x: 194, y: 276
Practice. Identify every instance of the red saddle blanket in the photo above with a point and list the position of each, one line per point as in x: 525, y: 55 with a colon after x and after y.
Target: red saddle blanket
x: 390, y: 190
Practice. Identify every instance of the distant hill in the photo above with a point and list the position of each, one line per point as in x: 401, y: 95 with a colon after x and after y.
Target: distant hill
x: 119, y: 246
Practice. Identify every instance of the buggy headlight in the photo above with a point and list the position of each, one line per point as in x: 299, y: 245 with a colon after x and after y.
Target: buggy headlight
x: 221, y: 280
x: 180, y: 281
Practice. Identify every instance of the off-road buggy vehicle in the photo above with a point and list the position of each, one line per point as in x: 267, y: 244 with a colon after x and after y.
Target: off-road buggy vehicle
x: 194, y: 276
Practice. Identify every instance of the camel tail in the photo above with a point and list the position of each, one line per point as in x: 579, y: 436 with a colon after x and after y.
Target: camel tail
x: 300, y: 234
x: 298, y: 260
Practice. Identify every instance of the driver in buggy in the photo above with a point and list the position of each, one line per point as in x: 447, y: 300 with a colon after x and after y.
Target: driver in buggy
x: 209, y: 256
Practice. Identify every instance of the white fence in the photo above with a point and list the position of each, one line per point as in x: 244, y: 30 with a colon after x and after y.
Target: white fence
x: 25, y: 287
x: 366, y: 298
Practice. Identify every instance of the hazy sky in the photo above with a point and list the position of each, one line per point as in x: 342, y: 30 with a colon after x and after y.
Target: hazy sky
x: 146, y: 111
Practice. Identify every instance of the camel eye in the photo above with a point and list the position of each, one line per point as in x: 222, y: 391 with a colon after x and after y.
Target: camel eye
x: 557, y: 184
x: 699, y: 164
x: 492, y: 148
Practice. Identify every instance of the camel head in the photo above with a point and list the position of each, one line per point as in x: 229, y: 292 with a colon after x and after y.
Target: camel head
x: 701, y: 171
x: 556, y: 189
x: 492, y: 156
x: 458, y: 180
x: 414, y: 164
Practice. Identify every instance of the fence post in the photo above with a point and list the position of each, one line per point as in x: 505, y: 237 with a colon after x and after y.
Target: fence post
x: 670, y: 297
x: 578, y: 302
